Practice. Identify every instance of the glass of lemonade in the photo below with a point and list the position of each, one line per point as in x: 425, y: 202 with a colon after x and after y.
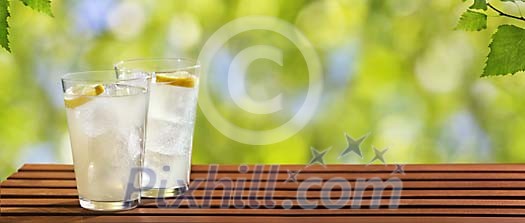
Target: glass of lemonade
x: 171, y: 121
x: 107, y: 123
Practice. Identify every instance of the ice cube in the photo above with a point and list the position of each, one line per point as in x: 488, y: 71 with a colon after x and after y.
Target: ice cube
x: 168, y: 137
x: 108, y: 166
x: 94, y: 117
x: 172, y: 169
x: 134, y: 141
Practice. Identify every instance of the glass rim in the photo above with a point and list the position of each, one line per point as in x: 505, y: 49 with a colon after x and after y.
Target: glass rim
x: 195, y: 63
x: 73, y: 76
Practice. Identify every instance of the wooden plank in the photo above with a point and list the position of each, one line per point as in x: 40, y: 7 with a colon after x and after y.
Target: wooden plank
x: 262, y: 219
x: 46, y: 167
x: 37, y: 183
x: 423, y: 194
x: 421, y: 203
x: 355, y: 175
x: 517, y: 212
x: 9, y: 202
x: 32, y: 192
x: 352, y: 176
x: 445, y: 185
x: 330, y: 168
x: 55, y: 175
x: 376, y: 168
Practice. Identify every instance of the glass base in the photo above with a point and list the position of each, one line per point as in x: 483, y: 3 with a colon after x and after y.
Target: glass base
x: 163, y: 192
x: 108, y: 205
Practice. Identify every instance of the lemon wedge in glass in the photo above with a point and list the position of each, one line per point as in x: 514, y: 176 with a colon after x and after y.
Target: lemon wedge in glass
x: 180, y: 79
x: 79, y: 95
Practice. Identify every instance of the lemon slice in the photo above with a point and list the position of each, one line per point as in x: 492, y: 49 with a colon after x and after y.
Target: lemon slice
x: 183, y: 79
x: 79, y: 95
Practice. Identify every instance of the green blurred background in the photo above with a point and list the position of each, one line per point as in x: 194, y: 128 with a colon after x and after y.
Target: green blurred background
x: 393, y: 68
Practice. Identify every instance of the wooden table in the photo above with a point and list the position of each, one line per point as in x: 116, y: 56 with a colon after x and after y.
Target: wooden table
x: 430, y: 193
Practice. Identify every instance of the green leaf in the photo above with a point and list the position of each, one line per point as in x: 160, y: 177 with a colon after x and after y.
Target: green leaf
x: 39, y: 5
x: 479, y: 4
x: 4, y: 26
x: 472, y: 21
x: 506, y: 51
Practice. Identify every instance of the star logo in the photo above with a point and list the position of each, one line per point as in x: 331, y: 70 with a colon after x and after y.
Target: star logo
x: 353, y: 146
x: 317, y: 157
x: 379, y: 155
x: 292, y: 176
x: 400, y: 169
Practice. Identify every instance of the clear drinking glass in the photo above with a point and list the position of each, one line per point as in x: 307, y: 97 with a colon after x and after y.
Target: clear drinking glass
x: 171, y: 121
x: 107, y: 120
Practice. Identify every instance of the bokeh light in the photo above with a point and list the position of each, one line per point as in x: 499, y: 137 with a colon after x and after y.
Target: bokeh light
x: 394, y: 69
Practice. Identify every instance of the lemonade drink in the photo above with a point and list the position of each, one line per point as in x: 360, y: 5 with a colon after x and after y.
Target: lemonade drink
x: 171, y: 121
x: 107, y: 130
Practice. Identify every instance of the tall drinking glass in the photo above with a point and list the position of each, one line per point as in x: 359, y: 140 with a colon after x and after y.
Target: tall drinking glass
x: 171, y: 121
x: 107, y: 120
